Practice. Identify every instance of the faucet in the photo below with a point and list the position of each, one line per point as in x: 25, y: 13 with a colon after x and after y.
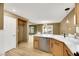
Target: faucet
x: 64, y: 35
x: 75, y: 35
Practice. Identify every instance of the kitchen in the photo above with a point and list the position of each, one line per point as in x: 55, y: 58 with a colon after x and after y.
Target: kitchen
x: 40, y: 29
x: 66, y: 44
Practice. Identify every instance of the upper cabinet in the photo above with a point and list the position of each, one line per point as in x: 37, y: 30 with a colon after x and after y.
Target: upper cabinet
x: 77, y: 14
x: 1, y: 15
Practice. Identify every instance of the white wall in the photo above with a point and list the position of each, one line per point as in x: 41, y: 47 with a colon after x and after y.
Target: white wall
x: 8, y: 35
x: 1, y: 41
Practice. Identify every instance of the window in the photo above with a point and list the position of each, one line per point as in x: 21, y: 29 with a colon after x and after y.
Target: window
x: 47, y: 29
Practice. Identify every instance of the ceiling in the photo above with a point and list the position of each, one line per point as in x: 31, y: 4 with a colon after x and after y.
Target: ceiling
x: 40, y: 12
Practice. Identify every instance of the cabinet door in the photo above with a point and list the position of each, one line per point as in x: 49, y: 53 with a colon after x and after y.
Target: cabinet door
x: 67, y: 52
x: 1, y: 15
x: 51, y: 45
x: 36, y: 44
x: 57, y: 48
x: 77, y: 13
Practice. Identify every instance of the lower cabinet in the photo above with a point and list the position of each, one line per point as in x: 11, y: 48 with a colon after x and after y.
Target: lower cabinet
x: 56, y: 48
x: 67, y: 52
x: 36, y: 42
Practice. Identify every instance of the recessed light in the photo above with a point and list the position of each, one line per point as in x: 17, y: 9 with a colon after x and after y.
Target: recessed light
x: 14, y: 10
x: 67, y: 21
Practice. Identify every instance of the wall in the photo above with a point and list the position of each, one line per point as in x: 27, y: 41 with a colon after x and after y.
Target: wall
x: 56, y: 28
x: 1, y: 41
x: 8, y: 34
x: 68, y: 27
x: 22, y: 18
x: 1, y: 15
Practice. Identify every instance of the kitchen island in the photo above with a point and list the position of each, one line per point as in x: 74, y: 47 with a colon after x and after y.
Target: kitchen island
x: 58, y: 45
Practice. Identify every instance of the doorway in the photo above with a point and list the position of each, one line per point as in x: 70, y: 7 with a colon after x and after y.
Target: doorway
x: 22, y: 31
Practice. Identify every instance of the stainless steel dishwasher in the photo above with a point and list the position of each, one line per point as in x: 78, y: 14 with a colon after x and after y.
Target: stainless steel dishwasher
x: 44, y: 44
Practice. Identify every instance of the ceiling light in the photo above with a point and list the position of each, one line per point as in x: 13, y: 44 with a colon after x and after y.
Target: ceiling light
x: 45, y: 21
x: 14, y: 10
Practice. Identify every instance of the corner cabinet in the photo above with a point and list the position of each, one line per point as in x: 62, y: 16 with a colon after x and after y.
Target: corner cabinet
x: 58, y: 48
x: 1, y: 15
x: 36, y: 42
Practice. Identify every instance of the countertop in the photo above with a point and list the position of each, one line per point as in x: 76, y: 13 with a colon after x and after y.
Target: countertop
x: 71, y: 42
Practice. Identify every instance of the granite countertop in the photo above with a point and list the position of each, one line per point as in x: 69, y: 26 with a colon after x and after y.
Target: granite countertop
x: 71, y: 42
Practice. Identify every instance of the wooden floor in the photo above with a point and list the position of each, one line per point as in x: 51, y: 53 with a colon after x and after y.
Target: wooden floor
x: 26, y: 49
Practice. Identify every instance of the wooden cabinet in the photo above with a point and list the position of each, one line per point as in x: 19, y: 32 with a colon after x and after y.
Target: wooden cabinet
x: 56, y: 48
x: 36, y: 42
x: 77, y: 13
x: 66, y: 51
x: 51, y: 45
x: 1, y: 15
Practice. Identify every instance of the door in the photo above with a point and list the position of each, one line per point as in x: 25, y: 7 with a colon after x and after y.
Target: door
x: 20, y: 33
x: 21, y: 30
x: 9, y: 33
